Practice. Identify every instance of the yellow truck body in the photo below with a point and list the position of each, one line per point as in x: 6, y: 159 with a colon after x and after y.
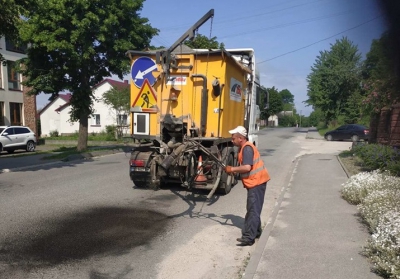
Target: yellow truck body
x: 181, y: 94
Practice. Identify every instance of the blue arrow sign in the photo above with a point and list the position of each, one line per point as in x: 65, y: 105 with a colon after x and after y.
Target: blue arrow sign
x: 141, y: 69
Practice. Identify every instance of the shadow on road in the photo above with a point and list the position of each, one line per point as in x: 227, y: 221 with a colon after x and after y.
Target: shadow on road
x: 103, y: 230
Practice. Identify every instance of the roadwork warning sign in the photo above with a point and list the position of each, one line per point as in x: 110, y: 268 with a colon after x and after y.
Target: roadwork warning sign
x: 146, y: 98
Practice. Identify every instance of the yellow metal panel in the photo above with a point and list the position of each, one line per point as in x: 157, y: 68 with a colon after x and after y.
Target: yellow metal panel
x: 183, y: 97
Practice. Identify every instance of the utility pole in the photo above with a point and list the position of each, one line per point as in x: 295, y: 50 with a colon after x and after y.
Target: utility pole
x: 300, y: 118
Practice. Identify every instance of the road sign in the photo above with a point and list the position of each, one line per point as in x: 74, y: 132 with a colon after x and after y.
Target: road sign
x: 146, y: 98
x: 142, y: 69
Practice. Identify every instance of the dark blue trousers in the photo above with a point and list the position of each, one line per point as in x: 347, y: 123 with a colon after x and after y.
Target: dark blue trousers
x: 252, y: 221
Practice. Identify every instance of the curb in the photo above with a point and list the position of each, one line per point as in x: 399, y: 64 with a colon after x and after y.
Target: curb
x: 343, y: 166
x: 70, y: 158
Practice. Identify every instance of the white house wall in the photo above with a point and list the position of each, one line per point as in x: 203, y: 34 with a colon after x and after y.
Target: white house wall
x: 50, y: 119
x: 107, y: 116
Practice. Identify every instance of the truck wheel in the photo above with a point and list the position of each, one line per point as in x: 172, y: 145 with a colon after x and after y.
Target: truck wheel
x: 141, y: 184
x: 225, y: 185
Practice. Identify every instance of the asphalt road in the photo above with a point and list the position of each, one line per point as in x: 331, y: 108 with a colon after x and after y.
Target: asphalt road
x: 84, y: 219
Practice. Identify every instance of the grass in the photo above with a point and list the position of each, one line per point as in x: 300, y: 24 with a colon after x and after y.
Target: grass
x: 352, y: 163
x: 63, y: 152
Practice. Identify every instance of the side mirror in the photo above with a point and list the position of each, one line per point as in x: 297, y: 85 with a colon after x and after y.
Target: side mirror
x: 5, y: 134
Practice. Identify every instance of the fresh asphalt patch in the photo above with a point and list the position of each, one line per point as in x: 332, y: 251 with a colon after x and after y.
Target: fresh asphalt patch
x: 94, y: 232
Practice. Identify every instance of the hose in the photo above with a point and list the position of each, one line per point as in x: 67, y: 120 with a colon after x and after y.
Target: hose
x: 214, y: 188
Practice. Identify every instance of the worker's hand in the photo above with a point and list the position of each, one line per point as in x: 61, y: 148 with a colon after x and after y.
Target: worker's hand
x: 228, y: 169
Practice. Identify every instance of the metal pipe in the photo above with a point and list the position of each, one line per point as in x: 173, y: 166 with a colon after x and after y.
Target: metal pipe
x: 204, y: 104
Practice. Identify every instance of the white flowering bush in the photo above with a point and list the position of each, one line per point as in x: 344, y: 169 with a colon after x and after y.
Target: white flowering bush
x: 378, y: 203
x: 384, y: 246
x: 360, y: 185
x: 377, y: 195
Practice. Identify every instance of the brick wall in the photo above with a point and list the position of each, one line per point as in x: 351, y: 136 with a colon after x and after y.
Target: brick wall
x: 30, y: 111
x: 388, y: 126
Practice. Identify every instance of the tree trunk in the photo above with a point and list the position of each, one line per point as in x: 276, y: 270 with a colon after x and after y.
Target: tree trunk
x: 83, y: 133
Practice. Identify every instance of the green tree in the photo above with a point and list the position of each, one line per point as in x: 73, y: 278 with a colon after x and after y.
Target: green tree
x: 287, y: 96
x: 76, y: 43
x: 379, y: 78
x: 287, y: 99
x: 275, y: 103
x: 118, y: 98
x: 202, y: 42
x: 334, y: 77
x: 316, y: 118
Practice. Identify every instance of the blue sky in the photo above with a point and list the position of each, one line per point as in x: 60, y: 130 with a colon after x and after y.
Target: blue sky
x: 287, y: 35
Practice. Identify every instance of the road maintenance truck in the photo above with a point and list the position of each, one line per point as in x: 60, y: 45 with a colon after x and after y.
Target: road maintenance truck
x: 183, y: 103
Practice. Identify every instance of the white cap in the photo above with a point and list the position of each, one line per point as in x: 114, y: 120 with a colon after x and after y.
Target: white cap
x: 239, y: 130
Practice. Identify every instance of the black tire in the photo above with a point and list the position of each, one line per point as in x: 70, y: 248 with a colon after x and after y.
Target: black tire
x: 141, y: 184
x: 355, y: 138
x: 30, y: 146
x: 225, y: 185
x: 329, y: 138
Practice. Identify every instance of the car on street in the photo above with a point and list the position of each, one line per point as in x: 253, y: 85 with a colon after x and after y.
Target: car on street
x: 17, y: 137
x: 353, y: 132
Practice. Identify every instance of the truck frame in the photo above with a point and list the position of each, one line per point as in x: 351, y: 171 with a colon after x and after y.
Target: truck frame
x: 183, y: 137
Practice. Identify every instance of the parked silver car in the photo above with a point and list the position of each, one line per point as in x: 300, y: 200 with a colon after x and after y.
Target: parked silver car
x: 17, y: 137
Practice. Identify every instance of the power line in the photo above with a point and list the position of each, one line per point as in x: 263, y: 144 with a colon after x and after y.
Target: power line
x: 319, y: 40
x: 288, y: 24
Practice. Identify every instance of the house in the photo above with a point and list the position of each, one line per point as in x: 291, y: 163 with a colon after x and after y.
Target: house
x: 56, y: 114
x: 16, y: 107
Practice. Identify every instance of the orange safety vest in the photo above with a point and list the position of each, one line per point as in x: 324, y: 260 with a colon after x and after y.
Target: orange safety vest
x: 258, y: 173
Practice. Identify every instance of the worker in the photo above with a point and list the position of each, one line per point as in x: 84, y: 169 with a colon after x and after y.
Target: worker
x: 254, y: 177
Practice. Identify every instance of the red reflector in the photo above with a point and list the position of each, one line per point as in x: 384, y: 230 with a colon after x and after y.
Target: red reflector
x: 137, y: 163
x: 366, y: 132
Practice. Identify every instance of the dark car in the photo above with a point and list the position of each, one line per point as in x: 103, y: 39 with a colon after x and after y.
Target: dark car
x: 354, y: 132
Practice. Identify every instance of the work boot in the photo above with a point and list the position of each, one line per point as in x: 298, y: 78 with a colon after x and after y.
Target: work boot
x: 245, y: 243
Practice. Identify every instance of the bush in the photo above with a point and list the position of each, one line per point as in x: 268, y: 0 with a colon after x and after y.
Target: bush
x: 287, y: 121
x: 54, y: 134
x: 110, y: 132
x: 379, y: 202
x: 378, y: 197
x: 378, y: 156
x: 360, y: 185
x: 384, y: 246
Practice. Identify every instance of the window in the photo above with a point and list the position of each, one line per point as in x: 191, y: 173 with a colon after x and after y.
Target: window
x: 15, y: 114
x: 11, y: 46
x: 13, y: 76
x: 10, y: 131
x: 122, y: 120
x: 96, y: 119
x: 21, y: 130
x: 1, y: 113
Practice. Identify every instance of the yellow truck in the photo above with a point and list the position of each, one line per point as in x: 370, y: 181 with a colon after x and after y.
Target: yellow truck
x: 183, y: 103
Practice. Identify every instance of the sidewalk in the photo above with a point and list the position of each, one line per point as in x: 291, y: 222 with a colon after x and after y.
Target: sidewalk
x: 314, y: 233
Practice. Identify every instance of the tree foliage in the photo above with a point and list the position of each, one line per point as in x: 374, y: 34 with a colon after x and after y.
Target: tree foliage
x: 76, y: 43
x: 334, y: 78
x: 287, y: 96
x: 275, y: 104
x: 380, y: 80
x: 202, y: 42
x: 118, y: 98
